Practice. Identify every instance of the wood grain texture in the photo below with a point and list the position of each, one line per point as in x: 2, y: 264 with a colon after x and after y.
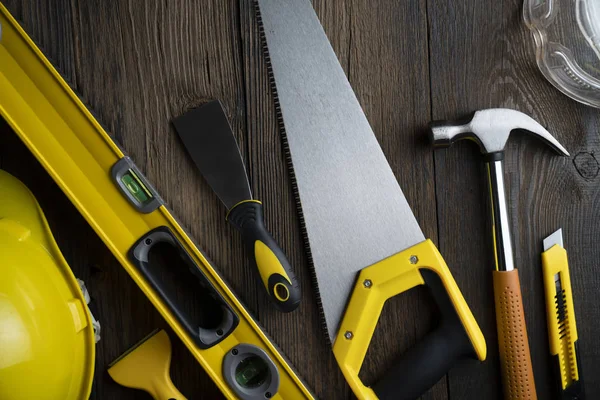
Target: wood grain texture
x: 139, y: 64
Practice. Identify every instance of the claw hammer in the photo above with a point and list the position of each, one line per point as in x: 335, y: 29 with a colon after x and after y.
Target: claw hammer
x: 490, y: 129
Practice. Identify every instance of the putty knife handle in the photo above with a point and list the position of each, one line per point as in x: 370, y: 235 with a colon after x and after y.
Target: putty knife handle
x: 276, y: 274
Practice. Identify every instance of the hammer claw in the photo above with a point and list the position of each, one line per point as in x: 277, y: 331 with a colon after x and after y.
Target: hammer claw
x: 490, y: 129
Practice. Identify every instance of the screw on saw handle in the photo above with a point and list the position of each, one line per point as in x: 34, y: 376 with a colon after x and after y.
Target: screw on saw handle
x: 515, y: 359
x: 275, y: 271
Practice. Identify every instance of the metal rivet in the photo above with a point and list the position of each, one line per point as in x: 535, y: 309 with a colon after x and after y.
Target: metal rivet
x: 348, y: 335
x: 414, y: 259
x: 367, y: 283
x: 268, y: 395
x: 234, y: 352
x: 148, y: 242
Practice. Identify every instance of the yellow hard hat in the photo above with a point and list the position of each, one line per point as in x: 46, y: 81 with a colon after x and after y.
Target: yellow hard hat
x: 47, y: 346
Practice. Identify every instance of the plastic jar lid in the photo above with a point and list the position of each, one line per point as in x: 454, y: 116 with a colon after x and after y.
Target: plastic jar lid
x: 567, y: 40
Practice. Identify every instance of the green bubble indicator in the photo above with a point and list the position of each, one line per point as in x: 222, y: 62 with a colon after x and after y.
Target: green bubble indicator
x: 136, y: 188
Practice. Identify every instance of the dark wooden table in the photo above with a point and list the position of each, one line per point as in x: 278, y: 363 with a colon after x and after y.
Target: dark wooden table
x: 139, y: 64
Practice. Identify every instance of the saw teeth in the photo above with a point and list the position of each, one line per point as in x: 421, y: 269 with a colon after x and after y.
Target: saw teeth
x: 290, y: 165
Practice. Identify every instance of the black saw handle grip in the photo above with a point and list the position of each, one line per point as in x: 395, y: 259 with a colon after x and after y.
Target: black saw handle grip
x: 430, y: 359
x: 265, y: 255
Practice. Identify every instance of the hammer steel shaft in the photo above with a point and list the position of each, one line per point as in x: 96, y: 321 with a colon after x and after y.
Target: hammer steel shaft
x: 503, y: 245
x: 490, y: 129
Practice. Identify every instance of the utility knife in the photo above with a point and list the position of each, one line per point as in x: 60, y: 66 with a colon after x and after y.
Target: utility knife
x: 560, y: 314
x: 207, y: 136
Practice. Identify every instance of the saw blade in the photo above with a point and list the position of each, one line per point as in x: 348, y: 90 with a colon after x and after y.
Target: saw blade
x: 353, y: 211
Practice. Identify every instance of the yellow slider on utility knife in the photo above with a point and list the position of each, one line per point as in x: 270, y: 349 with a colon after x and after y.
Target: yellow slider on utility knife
x: 562, y: 328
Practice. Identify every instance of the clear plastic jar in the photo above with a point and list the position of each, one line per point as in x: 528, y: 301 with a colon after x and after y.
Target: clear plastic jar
x: 567, y: 40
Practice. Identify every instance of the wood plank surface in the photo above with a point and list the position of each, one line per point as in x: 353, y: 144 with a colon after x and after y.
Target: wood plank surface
x: 140, y: 64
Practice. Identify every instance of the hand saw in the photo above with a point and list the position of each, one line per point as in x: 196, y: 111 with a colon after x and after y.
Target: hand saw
x: 365, y: 243
x: 131, y: 219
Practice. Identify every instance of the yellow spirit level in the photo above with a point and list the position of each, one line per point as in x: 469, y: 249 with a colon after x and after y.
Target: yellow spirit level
x: 130, y: 217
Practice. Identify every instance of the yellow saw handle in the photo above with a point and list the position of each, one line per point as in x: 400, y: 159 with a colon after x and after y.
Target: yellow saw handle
x: 166, y: 390
x: 457, y: 336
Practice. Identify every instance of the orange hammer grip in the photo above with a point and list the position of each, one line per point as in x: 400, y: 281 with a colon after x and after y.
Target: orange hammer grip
x: 515, y: 359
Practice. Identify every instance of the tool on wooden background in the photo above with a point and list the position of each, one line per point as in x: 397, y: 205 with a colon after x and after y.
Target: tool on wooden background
x: 560, y: 314
x: 132, y: 220
x: 146, y: 367
x: 365, y: 243
x: 47, y: 347
x: 208, y: 138
x: 490, y: 129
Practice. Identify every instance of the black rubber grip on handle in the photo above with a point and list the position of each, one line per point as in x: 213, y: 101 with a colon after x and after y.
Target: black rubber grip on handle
x: 180, y: 269
x: 275, y: 273
x: 420, y: 367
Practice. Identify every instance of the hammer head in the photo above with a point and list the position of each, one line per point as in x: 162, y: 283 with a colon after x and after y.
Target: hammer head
x: 490, y: 130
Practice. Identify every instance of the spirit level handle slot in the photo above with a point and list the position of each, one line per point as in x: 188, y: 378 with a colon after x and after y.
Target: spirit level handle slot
x: 207, y: 323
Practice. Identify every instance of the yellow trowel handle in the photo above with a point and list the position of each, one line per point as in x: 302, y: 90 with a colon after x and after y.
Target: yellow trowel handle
x: 165, y: 390
x: 457, y: 335
x: 276, y: 273
x: 146, y: 367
